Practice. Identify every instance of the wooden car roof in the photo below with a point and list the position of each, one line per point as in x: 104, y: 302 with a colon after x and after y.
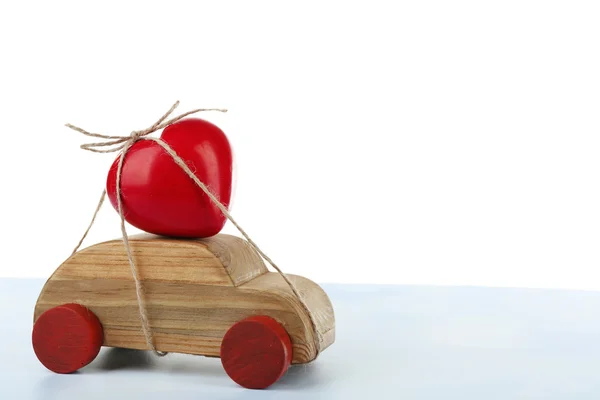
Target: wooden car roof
x: 222, y: 260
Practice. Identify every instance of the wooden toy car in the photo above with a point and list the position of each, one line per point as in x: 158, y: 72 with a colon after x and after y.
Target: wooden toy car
x: 212, y: 297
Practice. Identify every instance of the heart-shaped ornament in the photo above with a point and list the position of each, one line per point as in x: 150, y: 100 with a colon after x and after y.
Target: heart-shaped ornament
x: 159, y: 197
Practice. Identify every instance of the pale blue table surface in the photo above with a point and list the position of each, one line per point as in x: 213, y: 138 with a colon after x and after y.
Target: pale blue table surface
x: 393, y: 342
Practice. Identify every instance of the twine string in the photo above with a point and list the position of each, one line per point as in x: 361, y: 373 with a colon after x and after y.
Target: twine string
x: 123, y: 144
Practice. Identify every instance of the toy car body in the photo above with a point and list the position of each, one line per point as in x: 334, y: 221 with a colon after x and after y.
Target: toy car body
x: 195, y: 291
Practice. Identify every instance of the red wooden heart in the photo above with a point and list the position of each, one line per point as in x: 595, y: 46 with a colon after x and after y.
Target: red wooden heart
x: 157, y: 195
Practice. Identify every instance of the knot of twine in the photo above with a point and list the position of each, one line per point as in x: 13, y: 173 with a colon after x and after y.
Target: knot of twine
x: 117, y: 143
x: 113, y: 144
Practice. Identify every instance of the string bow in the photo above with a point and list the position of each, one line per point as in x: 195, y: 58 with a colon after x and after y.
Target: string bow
x: 117, y: 143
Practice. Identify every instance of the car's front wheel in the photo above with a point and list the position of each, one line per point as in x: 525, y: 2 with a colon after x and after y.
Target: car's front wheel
x: 67, y: 338
x: 256, y: 352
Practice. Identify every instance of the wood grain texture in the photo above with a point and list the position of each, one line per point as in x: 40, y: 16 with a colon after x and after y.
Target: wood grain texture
x: 196, y: 289
x: 256, y: 352
x: 67, y: 338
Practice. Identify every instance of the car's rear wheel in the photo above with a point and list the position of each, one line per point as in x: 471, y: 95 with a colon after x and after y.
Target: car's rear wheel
x: 256, y: 352
x: 67, y: 338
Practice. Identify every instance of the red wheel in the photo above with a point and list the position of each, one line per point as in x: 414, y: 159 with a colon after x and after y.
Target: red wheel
x: 67, y: 338
x: 256, y: 352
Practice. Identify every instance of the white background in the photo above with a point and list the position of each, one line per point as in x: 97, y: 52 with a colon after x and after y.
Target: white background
x: 421, y: 142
